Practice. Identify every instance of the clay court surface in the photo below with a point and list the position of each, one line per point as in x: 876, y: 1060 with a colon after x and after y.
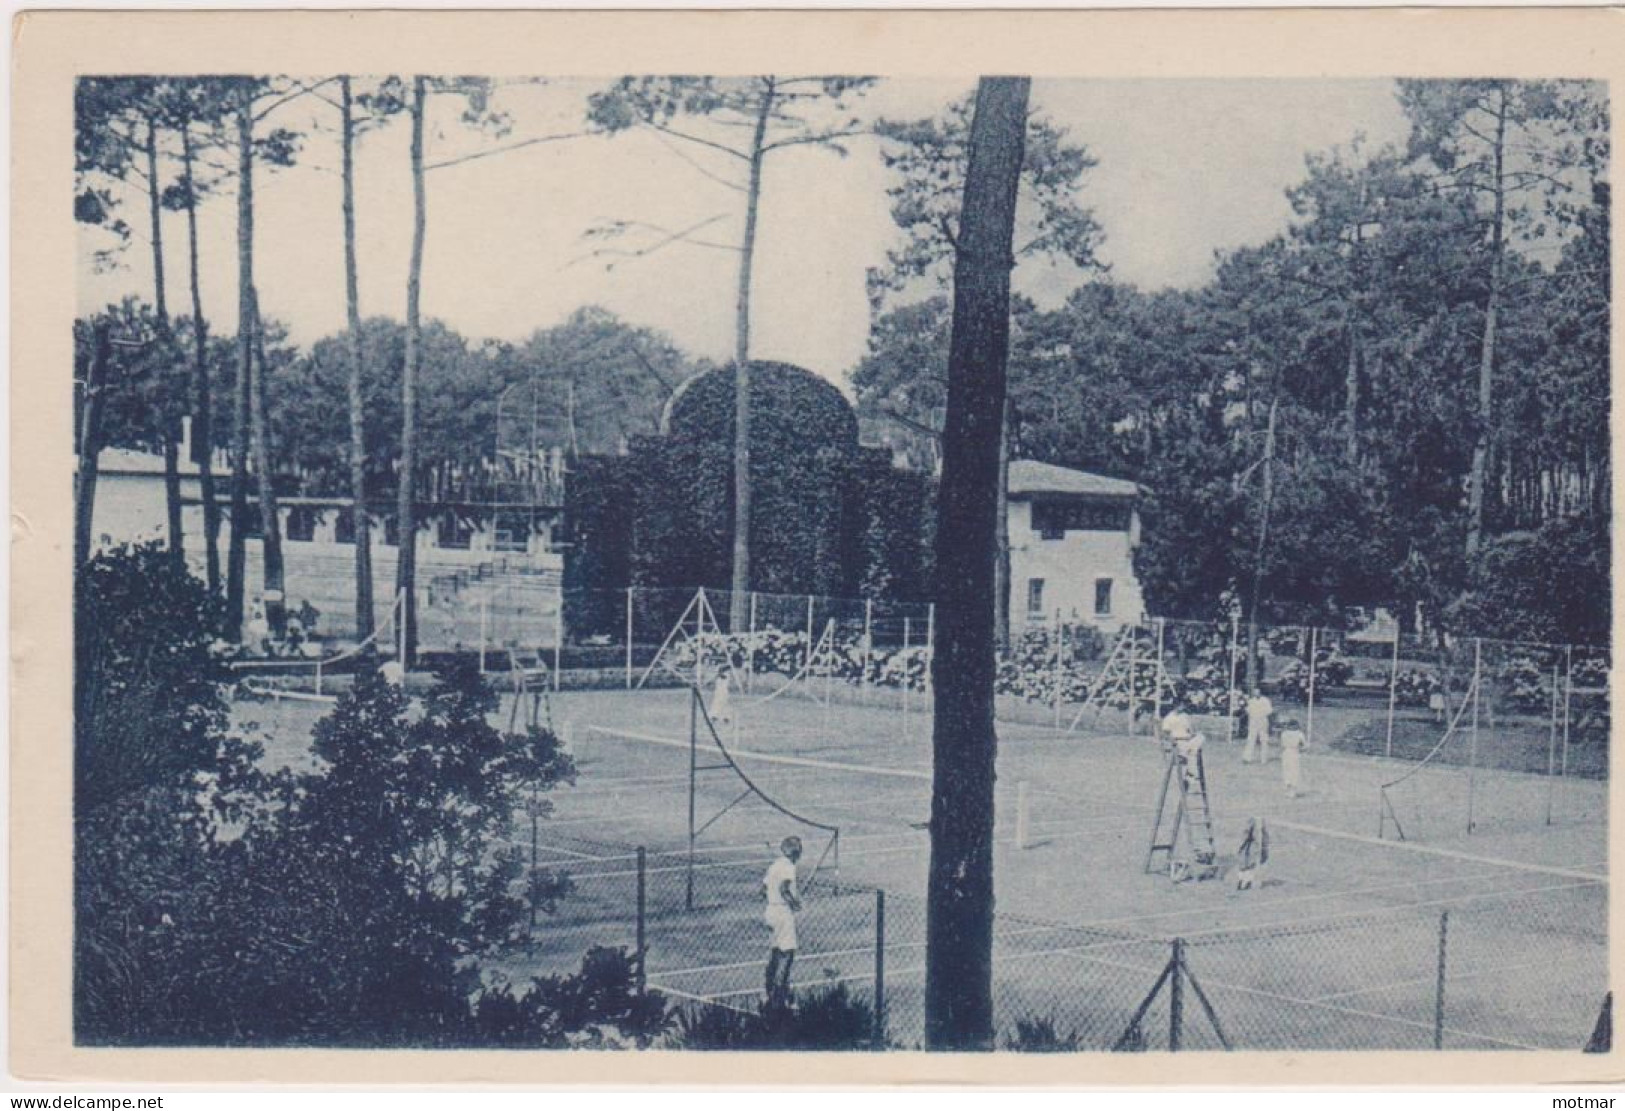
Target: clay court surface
x: 1340, y: 949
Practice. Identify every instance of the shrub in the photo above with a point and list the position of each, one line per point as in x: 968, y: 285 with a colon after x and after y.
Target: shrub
x: 1041, y: 1035
x: 828, y: 1018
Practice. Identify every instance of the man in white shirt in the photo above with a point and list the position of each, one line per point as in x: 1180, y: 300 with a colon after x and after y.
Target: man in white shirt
x: 1176, y: 727
x: 783, y: 903
x: 1259, y: 709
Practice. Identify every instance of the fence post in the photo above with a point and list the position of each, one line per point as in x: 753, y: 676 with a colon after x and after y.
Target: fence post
x: 1133, y: 675
x: 880, y: 969
x: 629, y: 636
x: 1472, y: 752
x: 905, y: 684
x: 930, y: 645
x: 1230, y: 688
x: 1438, y: 993
x: 1568, y: 691
x: 1055, y: 678
x: 643, y: 972
x: 750, y: 646
x: 1393, y: 692
x: 1176, y: 996
x: 1551, y: 747
x: 868, y: 640
x: 1156, y: 680
x: 558, y: 640
x: 1314, y: 653
x: 485, y: 626
x: 693, y: 770
x: 807, y: 659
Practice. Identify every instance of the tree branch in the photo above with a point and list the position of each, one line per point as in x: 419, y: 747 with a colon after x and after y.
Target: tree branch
x: 460, y: 159
x: 696, y: 139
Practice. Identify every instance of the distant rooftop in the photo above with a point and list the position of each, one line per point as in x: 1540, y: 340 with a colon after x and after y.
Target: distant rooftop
x: 1028, y: 477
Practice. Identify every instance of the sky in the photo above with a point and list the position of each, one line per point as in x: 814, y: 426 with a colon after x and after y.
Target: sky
x: 1186, y: 168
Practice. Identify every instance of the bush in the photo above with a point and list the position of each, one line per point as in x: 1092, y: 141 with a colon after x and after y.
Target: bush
x: 825, y: 1018
x: 1040, y: 1035
x: 148, y: 708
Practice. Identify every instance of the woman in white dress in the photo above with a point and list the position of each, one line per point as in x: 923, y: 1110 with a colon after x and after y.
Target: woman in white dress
x: 1292, y: 744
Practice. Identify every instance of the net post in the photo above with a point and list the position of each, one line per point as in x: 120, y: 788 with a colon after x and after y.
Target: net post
x: 1176, y: 996
x: 1230, y: 687
x: 693, y: 754
x: 1393, y: 691
x: 1438, y: 991
x: 318, y: 676
x: 1472, y: 751
x: 400, y: 629
x: 1314, y: 656
x: 629, y: 636
x: 643, y: 949
x: 880, y: 970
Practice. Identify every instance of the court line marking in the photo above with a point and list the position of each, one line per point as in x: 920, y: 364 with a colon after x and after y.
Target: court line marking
x: 1433, y: 850
x: 798, y: 761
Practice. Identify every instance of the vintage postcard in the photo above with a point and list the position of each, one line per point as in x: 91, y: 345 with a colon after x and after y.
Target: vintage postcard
x: 981, y: 547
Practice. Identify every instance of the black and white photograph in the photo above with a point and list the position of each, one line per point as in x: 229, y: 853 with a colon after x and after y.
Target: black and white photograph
x: 836, y: 561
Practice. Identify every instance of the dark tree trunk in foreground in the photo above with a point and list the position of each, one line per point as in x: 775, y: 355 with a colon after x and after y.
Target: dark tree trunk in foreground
x: 406, y: 528
x: 358, y: 439
x: 959, y: 916
x: 237, y: 553
x: 203, y: 398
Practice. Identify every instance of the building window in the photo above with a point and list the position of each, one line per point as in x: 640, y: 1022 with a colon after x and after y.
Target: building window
x: 1052, y: 520
x: 344, y: 527
x: 455, y: 532
x: 511, y: 532
x: 392, y: 532
x: 302, y: 523
x: 1103, y: 597
x: 1035, y: 597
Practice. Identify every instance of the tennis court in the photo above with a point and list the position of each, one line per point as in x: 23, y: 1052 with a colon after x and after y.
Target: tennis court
x: 1341, y: 948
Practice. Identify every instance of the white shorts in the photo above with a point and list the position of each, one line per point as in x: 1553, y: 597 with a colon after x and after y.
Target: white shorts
x: 782, y: 921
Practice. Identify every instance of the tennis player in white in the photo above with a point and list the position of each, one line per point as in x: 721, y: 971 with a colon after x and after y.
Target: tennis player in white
x: 783, y: 902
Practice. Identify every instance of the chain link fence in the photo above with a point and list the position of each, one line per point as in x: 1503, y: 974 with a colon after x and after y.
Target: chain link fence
x: 1497, y: 971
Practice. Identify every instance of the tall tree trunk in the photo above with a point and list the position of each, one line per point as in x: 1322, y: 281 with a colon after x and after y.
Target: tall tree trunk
x: 168, y: 409
x: 90, y: 441
x: 406, y: 522
x: 276, y: 610
x: 1258, y: 555
x: 1001, y: 541
x: 203, y: 400
x: 236, y: 556
x: 959, y: 912
x: 1486, y: 361
x: 358, y: 438
x: 1351, y: 398
x: 739, y: 599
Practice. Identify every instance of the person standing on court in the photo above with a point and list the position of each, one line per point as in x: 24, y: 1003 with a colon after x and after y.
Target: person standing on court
x: 783, y: 903
x: 1292, y: 744
x: 1259, y: 709
x: 722, y: 699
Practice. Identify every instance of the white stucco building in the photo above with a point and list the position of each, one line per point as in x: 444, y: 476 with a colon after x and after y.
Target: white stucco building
x: 1072, y: 540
